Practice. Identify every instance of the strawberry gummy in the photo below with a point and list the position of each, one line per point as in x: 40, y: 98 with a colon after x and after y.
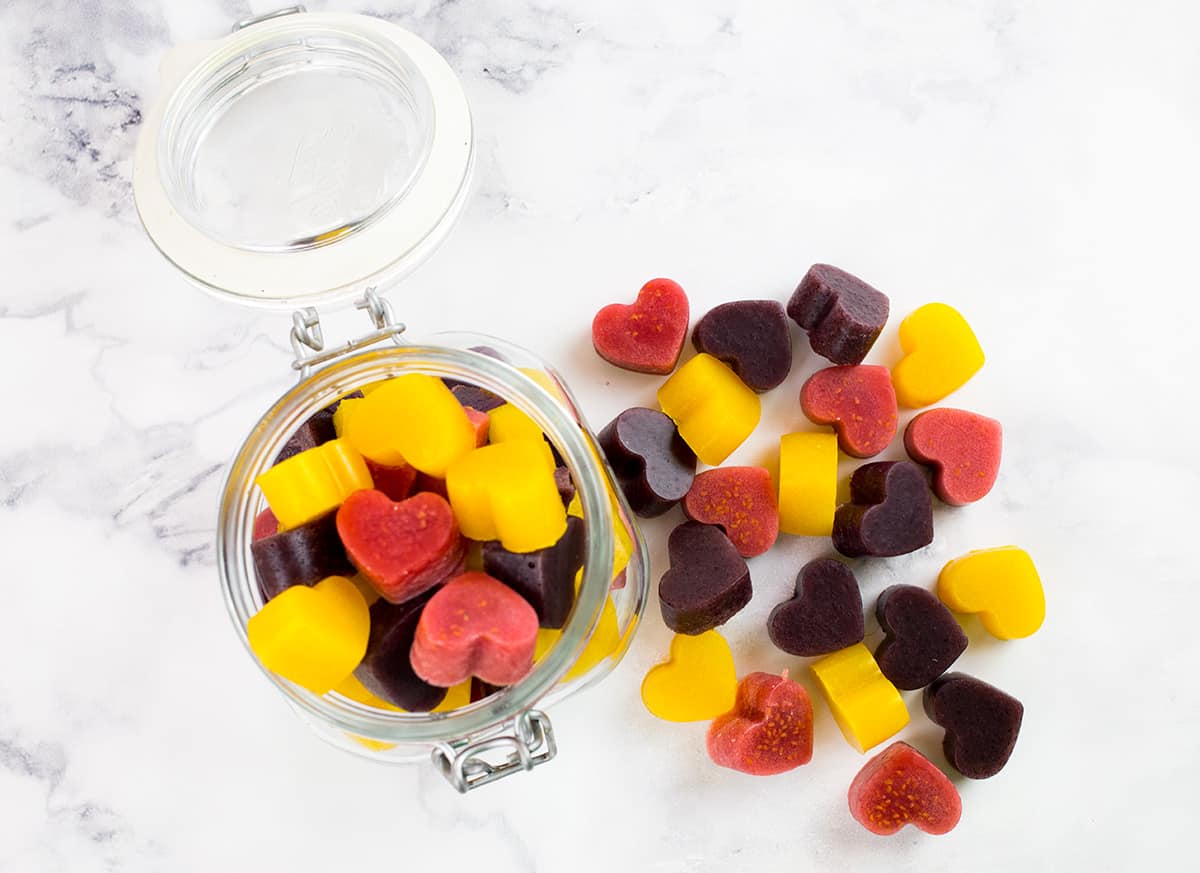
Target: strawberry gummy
x: 768, y: 731
x: 901, y: 786
x: 646, y: 337
x: 739, y: 500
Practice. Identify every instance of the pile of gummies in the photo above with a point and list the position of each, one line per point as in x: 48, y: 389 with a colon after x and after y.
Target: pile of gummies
x: 763, y: 725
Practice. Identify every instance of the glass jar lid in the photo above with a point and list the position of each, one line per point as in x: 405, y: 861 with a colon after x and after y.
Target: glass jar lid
x: 303, y: 157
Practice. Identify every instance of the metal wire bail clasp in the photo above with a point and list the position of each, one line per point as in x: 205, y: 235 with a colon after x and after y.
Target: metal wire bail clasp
x: 308, y: 341
x: 528, y: 741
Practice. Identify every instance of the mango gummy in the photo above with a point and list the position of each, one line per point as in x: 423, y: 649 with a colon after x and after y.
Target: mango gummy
x: 712, y: 407
x: 697, y: 682
x: 865, y: 705
x: 1001, y: 585
x: 808, y: 480
x: 505, y: 491
x: 312, y: 483
x: 314, y: 637
x: 940, y: 354
x: 508, y: 423
x: 412, y: 418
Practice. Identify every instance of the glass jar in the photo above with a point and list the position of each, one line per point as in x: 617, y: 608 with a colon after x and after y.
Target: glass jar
x: 266, y: 200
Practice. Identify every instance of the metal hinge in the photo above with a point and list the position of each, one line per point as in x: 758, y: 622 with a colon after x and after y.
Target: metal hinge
x: 524, y: 742
x: 308, y: 341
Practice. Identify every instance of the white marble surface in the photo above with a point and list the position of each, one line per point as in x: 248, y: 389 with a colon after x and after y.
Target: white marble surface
x: 1033, y: 163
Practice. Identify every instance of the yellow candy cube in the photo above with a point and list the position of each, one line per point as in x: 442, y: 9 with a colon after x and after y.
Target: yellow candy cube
x: 505, y: 491
x: 711, y: 406
x: 342, y: 414
x: 313, y: 482
x: 697, y: 683
x: 412, y: 418
x: 1001, y: 585
x: 865, y: 705
x: 940, y: 354
x: 314, y: 637
x: 808, y: 480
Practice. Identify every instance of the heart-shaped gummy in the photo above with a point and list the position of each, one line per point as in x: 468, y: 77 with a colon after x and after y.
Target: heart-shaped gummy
x: 403, y: 548
x: 653, y: 465
x: 546, y: 577
x: 940, y: 354
x: 385, y: 669
x: 474, y: 626
x: 858, y: 401
x: 648, y: 336
x: 922, y: 637
x: 981, y: 722
x: 962, y: 447
x: 825, y: 614
x: 696, y: 683
x: 842, y: 314
x: 741, y: 501
x: 900, y: 786
x: 708, y: 582
x: 768, y: 731
x: 890, y: 513
x: 752, y: 337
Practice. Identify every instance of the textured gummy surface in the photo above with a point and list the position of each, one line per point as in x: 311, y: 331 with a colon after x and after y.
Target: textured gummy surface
x: 394, y: 481
x: 890, y: 513
x: 981, y: 723
x: 654, y: 466
x: 824, y: 615
x: 645, y: 337
x: 739, y: 500
x: 385, y: 669
x: 768, y: 731
x: 860, y: 404
x: 546, y: 577
x: 922, y: 638
x: 708, y: 582
x: 752, y: 337
x: 842, y: 314
x: 899, y: 787
x: 962, y: 447
x: 303, y: 555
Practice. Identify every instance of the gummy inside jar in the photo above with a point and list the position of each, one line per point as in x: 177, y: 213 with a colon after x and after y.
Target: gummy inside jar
x: 420, y: 548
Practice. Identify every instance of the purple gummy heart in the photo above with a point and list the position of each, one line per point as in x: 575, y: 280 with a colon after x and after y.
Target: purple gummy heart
x: 825, y: 614
x: 708, y: 582
x: 545, y: 578
x: 653, y: 465
x: 890, y: 511
x: 981, y: 722
x: 922, y: 637
x: 386, y: 670
x: 842, y: 314
x: 752, y: 337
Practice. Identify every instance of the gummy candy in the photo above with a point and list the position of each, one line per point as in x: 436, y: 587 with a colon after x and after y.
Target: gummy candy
x: 768, y: 731
x: 824, y: 615
x: 697, y: 682
x: 922, y: 638
x: 1002, y: 585
x: 739, y: 500
x: 646, y: 337
x: 890, y: 511
x: 652, y: 463
x: 962, y: 448
x: 546, y: 577
x: 303, y: 555
x: 385, y: 669
x: 842, y: 314
x: 900, y: 786
x: 712, y: 407
x: 313, y: 482
x: 858, y: 401
x: 940, y: 354
x: 808, y: 481
x: 708, y: 582
x: 981, y: 723
x: 752, y: 337
x: 865, y: 705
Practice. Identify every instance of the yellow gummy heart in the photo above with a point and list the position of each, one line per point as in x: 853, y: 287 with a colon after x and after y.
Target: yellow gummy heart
x: 314, y: 636
x: 865, y: 705
x: 411, y: 418
x: 712, y: 407
x: 697, y: 683
x: 940, y: 354
x: 313, y: 482
x: 1002, y: 585
x: 808, y: 480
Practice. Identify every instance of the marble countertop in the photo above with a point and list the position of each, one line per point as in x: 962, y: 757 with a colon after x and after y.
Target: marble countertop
x: 1033, y: 164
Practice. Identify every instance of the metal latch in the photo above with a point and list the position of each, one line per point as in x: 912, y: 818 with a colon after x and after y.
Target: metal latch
x: 518, y: 745
x: 308, y: 341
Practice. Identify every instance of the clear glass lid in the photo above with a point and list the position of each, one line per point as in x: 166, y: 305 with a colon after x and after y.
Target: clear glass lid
x: 303, y: 157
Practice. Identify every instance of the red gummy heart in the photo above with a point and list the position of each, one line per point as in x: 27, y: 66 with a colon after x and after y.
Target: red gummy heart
x: 859, y: 402
x: 962, y: 447
x: 265, y: 525
x: 901, y: 786
x: 474, y: 626
x: 768, y: 731
x: 739, y: 500
x: 402, y: 548
x: 648, y: 336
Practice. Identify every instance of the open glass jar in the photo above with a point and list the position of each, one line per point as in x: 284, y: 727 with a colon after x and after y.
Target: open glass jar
x: 264, y: 204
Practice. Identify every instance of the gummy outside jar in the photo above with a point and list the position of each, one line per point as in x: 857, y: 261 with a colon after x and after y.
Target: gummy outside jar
x: 464, y: 742
x: 310, y: 158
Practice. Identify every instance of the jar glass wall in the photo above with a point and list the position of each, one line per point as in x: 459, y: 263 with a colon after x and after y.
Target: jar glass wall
x: 599, y: 610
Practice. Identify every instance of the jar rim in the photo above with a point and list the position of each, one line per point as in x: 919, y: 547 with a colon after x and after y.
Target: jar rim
x: 238, y: 505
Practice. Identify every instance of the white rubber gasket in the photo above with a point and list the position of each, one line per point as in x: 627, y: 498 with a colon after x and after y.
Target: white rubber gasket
x: 393, y: 244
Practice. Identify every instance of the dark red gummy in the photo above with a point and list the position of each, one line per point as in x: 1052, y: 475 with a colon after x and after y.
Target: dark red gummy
x: 824, y: 615
x: 858, y: 401
x: 396, y: 482
x: 653, y: 465
x: 708, y: 582
x: 981, y: 722
x: 565, y: 484
x: 922, y: 637
x: 962, y: 447
x: 385, y: 669
x: 303, y: 555
x: 265, y: 525
x: 546, y: 577
x: 752, y: 337
x: 842, y: 314
x: 890, y: 513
